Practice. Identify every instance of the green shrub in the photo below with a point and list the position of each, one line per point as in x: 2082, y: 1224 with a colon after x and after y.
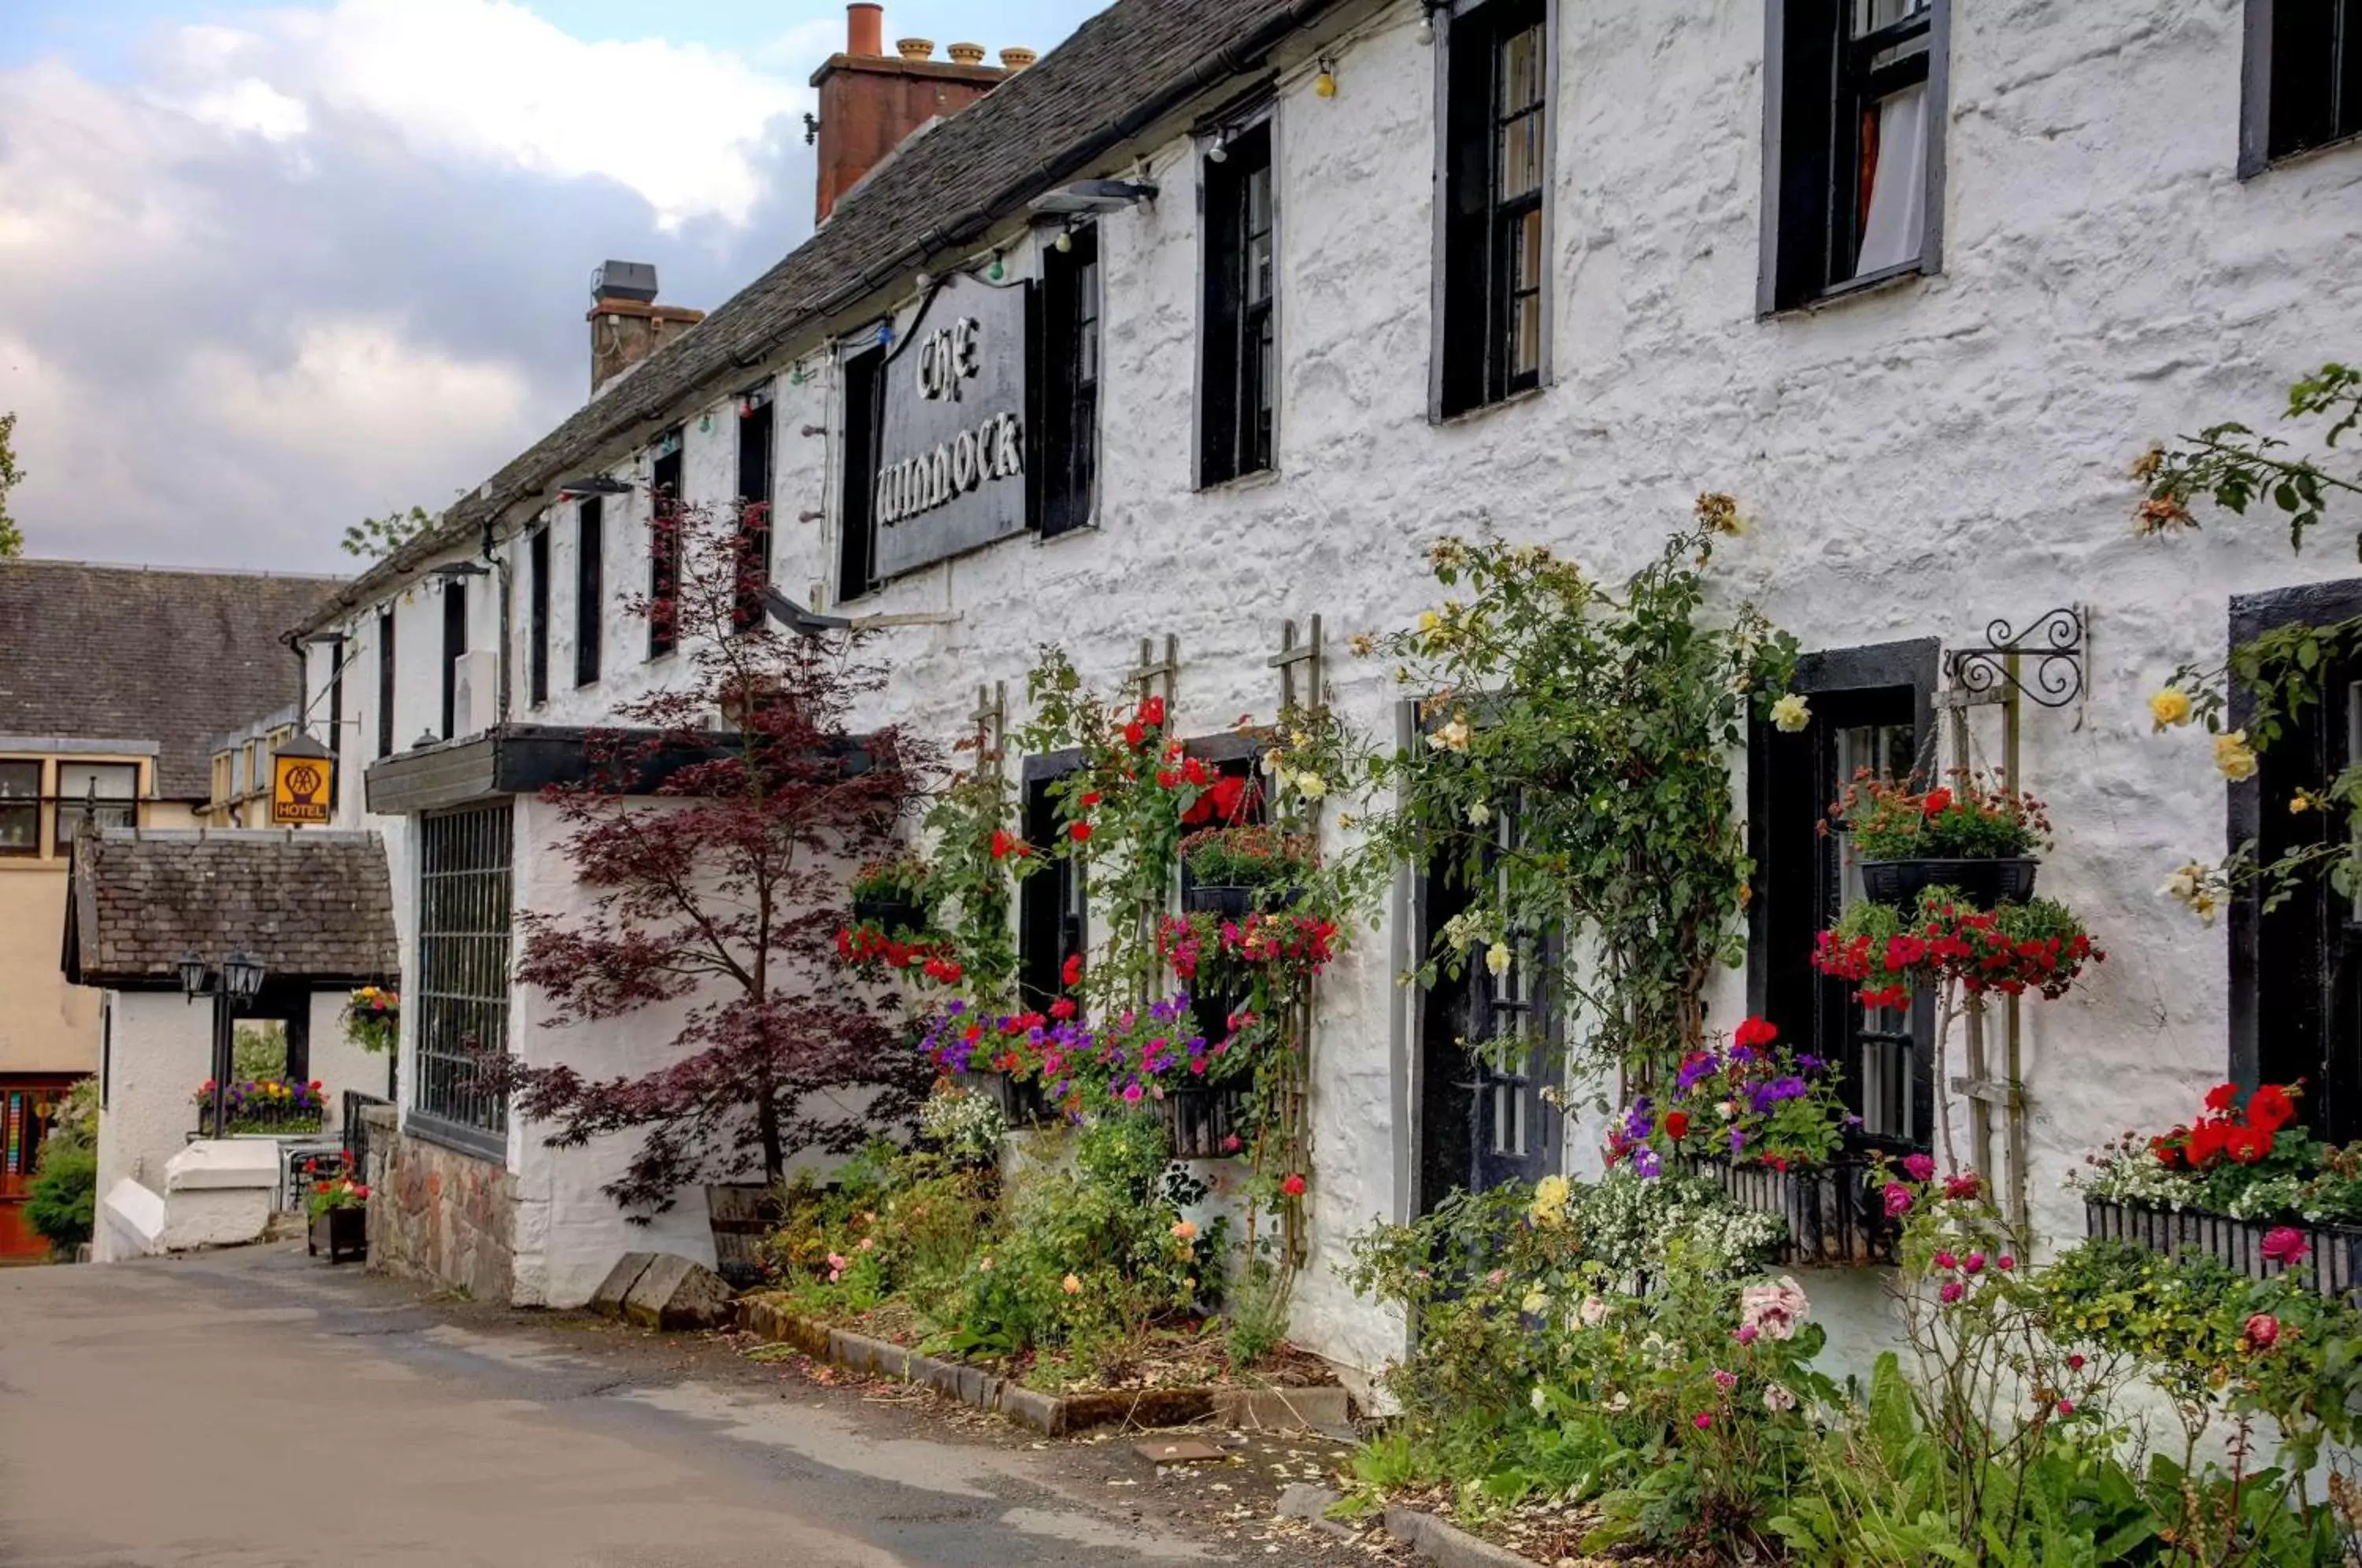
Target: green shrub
x: 64, y: 1202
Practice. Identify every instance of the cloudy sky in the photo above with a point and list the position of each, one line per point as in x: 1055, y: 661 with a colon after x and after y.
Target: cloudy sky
x: 271, y: 267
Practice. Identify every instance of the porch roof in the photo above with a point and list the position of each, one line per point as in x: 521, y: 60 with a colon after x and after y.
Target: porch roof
x: 310, y: 905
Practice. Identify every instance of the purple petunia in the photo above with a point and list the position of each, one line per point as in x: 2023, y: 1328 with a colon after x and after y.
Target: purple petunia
x: 1641, y: 1119
x: 1646, y: 1165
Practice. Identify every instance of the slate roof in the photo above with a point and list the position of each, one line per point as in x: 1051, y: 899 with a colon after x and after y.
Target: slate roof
x: 146, y: 653
x: 1134, y: 64
x: 310, y: 904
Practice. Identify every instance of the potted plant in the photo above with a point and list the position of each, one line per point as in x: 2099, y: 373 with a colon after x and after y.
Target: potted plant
x: 373, y: 1019
x: 268, y: 1108
x: 1974, y: 836
x: 339, y: 1219
x: 1233, y: 871
x: 891, y: 894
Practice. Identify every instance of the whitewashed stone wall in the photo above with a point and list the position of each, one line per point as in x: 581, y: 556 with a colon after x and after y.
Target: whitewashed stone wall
x: 1918, y: 460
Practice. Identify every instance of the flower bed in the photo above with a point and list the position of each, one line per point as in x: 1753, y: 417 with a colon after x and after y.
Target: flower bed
x: 2251, y: 1247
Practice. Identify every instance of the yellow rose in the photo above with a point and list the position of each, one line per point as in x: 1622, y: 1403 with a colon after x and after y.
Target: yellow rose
x: 1496, y: 958
x: 2169, y: 707
x: 1311, y: 786
x: 1548, y: 1207
x: 1791, y: 713
x: 2234, y: 757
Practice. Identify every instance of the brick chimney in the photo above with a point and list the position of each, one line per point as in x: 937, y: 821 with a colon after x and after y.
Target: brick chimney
x: 870, y: 100
x: 626, y: 323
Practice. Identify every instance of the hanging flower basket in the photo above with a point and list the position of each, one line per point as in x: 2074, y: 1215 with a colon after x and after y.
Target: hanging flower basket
x: 1984, y: 883
x: 1221, y: 901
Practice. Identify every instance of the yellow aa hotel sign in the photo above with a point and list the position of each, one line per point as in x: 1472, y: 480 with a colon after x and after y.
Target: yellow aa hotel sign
x: 299, y: 776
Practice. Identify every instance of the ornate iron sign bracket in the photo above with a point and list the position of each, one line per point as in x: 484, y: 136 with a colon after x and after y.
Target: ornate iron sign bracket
x: 2047, y: 663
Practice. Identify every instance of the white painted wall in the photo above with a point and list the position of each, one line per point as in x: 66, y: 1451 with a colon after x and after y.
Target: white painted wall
x: 161, y: 1049
x: 1918, y: 460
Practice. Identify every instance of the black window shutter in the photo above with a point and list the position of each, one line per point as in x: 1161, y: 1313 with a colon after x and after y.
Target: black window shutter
x: 1807, y: 150
x: 537, y: 612
x: 1467, y: 207
x: 589, y: 588
x: 857, y: 514
x: 1225, y: 267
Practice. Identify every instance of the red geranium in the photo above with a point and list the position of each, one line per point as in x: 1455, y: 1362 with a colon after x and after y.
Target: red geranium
x: 1062, y: 1009
x: 1936, y: 802
x: 2248, y: 1145
x: 2270, y: 1109
x: 1756, y: 1032
x: 2222, y: 1098
x: 1072, y: 974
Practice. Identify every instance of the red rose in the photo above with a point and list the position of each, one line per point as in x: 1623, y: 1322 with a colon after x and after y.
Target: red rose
x: 1677, y: 1124
x: 1134, y: 732
x: 2271, y: 1109
x: 2222, y: 1098
x: 1081, y: 832
x: 1167, y: 780
x: 1228, y: 796
x: 1292, y: 1184
x: 1091, y: 798
x: 1193, y: 771
x: 1151, y: 711
x: 1004, y: 843
x: 2284, y: 1244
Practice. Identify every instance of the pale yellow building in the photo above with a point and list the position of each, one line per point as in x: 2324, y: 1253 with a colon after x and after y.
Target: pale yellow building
x: 116, y: 684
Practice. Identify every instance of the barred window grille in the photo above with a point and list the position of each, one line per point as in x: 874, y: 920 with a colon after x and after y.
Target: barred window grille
x: 462, y: 995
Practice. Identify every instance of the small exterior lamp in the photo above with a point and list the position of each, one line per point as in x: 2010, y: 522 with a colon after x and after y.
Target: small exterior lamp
x: 192, y: 974
x: 1325, y: 84
x: 242, y: 974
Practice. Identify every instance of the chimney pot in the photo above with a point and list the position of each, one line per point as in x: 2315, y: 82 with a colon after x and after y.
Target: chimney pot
x: 865, y: 28
x: 966, y: 53
x: 915, y: 48
x: 1016, y: 59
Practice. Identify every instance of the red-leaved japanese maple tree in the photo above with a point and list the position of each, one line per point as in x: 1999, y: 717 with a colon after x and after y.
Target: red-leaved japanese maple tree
x: 715, y: 843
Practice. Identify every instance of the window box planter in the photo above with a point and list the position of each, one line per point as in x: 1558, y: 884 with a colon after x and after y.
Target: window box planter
x: 1984, y: 883
x: 286, y: 1127
x: 1835, y: 1214
x: 1203, y: 1120
x: 341, y: 1234
x: 891, y: 914
x: 1021, y: 1101
x: 2334, y: 1268
x: 1235, y: 902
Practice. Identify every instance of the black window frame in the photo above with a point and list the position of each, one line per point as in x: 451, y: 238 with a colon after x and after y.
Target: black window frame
x: 589, y: 588
x: 23, y: 805
x: 536, y: 662
x: 1238, y: 357
x: 2302, y: 960
x: 864, y: 419
x: 1819, y: 79
x: 668, y: 457
x: 386, y: 670
x: 454, y: 647
x: 466, y: 914
x: 1794, y: 890
x: 758, y: 444
x: 1474, y: 355
x: 1072, y: 367
x: 1053, y: 904
x: 336, y: 647
x: 2281, y: 117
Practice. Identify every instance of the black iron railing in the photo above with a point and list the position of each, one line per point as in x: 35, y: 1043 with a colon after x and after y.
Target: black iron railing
x: 1836, y: 1212
x: 357, y: 1132
x: 2334, y: 1252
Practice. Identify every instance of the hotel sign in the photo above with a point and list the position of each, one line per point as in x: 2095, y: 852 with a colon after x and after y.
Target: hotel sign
x: 300, y: 774
x: 953, y: 446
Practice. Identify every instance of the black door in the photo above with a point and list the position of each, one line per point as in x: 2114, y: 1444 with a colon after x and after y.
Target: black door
x: 1483, y: 1119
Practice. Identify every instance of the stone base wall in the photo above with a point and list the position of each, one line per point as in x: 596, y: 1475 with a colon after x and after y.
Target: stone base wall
x: 435, y: 1213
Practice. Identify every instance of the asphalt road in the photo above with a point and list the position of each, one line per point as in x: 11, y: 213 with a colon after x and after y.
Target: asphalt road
x: 257, y: 1408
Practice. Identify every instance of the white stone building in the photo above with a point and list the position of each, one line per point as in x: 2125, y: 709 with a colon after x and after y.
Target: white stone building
x: 1375, y: 271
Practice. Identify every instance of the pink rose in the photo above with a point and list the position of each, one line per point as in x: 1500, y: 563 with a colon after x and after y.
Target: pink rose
x: 1747, y: 1334
x: 1898, y: 1199
x: 1702, y: 1420
x: 2262, y: 1331
x: 2066, y: 1407
x: 1726, y: 1381
x: 2004, y: 1262
x: 1976, y: 1264
x: 1946, y: 1260
x: 1951, y: 1292
x: 2284, y: 1244
x: 1919, y: 1168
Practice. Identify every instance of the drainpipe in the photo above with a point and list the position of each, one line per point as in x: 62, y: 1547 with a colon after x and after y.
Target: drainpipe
x: 500, y: 565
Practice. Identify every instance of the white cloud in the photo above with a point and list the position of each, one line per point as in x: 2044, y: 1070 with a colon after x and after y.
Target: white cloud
x: 489, y: 82
x: 252, y: 104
